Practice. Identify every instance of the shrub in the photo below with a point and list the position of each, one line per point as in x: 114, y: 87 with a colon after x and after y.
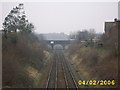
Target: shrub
x: 27, y: 51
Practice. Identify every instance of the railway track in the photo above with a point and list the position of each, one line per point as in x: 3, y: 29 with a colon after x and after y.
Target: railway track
x: 52, y: 76
x: 60, y: 74
x: 70, y: 79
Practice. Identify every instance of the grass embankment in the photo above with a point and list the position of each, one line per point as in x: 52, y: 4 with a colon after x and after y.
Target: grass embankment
x: 94, y: 63
x: 23, y: 59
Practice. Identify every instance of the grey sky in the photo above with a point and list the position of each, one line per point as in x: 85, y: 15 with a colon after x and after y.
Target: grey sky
x: 49, y: 17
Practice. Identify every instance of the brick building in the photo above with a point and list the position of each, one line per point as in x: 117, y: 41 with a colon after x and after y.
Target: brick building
x: 112, y: 27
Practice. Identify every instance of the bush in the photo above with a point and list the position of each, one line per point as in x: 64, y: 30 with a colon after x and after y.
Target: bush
x: 27, y: 51
x: 95, y: 63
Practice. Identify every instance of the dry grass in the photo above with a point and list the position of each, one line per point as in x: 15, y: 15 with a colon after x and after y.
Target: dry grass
x: 95, y: 63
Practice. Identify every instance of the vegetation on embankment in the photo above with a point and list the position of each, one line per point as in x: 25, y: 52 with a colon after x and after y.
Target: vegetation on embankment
x: 23, y: 54
x: 96, y: 62
x: 23, y: 60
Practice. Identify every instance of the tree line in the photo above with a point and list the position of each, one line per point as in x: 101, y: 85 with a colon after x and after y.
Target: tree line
x: 85, y: 35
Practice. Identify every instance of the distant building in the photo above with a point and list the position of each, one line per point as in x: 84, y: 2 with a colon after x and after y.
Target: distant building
x: 111, y: 27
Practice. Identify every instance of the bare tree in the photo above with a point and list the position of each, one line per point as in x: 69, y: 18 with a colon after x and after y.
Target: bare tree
x: 91, y: 34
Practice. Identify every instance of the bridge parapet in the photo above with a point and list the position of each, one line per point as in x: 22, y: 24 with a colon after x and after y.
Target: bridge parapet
x: 63, y: 43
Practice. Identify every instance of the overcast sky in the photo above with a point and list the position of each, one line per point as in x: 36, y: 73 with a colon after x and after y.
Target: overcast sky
x: 49, y: 17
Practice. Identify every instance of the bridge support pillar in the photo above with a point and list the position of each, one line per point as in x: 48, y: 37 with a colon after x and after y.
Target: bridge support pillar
x: 52, y: 45
x: 63, y: 47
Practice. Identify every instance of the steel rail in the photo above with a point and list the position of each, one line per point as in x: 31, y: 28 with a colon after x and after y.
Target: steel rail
x: 72, y: 76
x: 49, y: 74
x: 66, y: 82
x: 53, y: 63
x: 56, y: 75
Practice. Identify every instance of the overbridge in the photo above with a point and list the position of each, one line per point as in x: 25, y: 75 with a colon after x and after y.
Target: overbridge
x: 63, y: 43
